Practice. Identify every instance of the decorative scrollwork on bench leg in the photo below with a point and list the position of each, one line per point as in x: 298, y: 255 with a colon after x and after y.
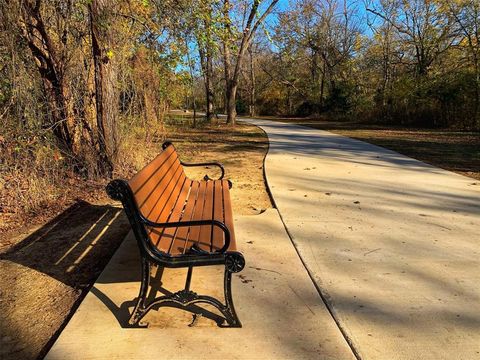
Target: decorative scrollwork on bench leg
x: 234, y: 263
x: 140, y: 308
x: 185, y: 298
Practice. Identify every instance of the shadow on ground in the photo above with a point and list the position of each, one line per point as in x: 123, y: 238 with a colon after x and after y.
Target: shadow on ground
x: 163, y: 282
x: 45, y: 276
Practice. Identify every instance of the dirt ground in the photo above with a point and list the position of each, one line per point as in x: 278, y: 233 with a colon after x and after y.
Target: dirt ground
x: 457, y: 151
x: 47, y: 267
x: 240, y: 150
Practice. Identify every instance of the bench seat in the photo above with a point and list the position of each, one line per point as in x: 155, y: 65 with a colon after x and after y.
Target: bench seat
x: 197, y: 200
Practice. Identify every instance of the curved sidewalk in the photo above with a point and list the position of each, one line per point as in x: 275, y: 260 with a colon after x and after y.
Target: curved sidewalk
x: 392, y: 243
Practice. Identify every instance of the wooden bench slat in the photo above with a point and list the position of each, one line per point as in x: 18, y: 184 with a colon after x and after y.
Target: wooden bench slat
x: 153, y: 205
x: 218, y: 214
x: 204, y: 240
x: 151, y: 188
x: 179, y: 245
x: 194, y: 231
x: 165, y: 203
x: 168, y: 235
x: 157, y: 199
x: 143, y: 176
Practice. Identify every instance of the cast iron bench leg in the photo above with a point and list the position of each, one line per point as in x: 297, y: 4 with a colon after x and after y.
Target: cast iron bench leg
x: 184, y: 298
x: 234, y: 263
x: 139, y: 310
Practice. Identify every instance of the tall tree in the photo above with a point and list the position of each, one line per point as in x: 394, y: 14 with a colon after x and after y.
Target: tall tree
x: 233, y: 64
x: 326, y: 32
x: 51, y: 55
x: 252, y: 97
x: 205, y: 35
x: 105, y: 95
x: 425, y: 30
x: 466, y: 14
x: 383, y: 46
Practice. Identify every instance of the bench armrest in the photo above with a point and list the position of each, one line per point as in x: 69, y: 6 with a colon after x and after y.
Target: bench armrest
x: 193, y: 223
x: 207, y: 164
x: 214, y: 163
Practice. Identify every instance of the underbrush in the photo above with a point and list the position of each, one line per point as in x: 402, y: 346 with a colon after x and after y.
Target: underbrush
x: 31, y: 171
x: 37, y: 180
x: 138, y: 144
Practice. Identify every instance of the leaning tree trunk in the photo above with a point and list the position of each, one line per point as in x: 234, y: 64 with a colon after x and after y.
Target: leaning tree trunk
x: 232, y: 77
x: 476, y: 122
x: 322, y: 87
x: 51, y: 70
x: 206, y: 62
x: 104, y: 86
x: 230, y: 87
x: 62, y: 119
x: 206, y: 80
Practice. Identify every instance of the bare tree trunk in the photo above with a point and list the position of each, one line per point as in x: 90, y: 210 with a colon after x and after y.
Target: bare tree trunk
x: 322, y: 86
x: 314, y: 73
x: 206, y: 61
x: 232, y: 77
x: 61, y: 113
x: 252, y: 84
x: 207, y: 71
x: 192, y: 83
x: 104, y: 85
x: 289, y: 101
x: 476, y: 110
x: 89, y: 106
x: 209, y: 85
x: 231, y: 103
x: 229, y: 96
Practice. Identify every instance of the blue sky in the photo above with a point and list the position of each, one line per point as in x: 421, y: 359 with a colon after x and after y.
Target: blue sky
x: 285, y: 4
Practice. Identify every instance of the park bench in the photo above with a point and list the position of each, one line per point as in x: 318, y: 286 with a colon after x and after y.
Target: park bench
x: 180, y: 223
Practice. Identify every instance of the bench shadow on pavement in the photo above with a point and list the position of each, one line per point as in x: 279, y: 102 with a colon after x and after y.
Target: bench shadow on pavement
x: 75, y: 247
x: 130, y: 272
x: 122, y: 313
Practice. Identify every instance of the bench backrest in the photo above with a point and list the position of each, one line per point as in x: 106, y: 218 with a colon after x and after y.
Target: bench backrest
x: 157, y: 187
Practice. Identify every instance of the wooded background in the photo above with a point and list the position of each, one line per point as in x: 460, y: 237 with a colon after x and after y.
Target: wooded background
x: 82, y: 81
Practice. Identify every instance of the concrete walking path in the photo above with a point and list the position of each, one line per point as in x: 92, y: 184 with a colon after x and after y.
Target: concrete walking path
x: 392, y: 243
x: 282, y: 313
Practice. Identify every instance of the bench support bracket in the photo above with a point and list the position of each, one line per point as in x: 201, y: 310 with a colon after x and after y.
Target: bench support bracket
x: 186, y: 298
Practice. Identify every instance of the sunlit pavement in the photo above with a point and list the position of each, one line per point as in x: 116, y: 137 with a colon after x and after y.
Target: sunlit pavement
x: 392, y: 243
